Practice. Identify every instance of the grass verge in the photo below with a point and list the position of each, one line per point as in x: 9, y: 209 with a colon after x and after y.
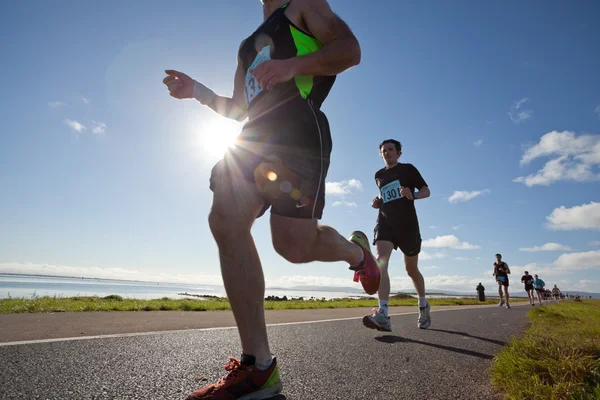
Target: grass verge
x: 557, y: 358
x: 117, y: 303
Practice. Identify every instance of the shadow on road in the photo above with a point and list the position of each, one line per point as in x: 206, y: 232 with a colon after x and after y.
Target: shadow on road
x: 398, y: 339
x: 278, y: 397
x: 498, y: 342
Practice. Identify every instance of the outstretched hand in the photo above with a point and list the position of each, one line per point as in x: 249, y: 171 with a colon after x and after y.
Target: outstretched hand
x: 180, y: 85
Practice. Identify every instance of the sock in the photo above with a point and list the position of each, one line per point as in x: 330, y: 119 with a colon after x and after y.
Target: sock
x: 362, y: 257
x: 264, y: 367
x: 422, y: 301
x: 383, y: 306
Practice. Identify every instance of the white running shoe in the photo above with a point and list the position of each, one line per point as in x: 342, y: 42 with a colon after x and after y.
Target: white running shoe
x: 378, y: 320
x: 424, y: 320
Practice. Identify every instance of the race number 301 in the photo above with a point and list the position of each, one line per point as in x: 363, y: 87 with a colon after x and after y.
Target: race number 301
x: 391, y: 192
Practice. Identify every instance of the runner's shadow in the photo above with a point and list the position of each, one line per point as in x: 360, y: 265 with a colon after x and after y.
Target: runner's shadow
x: 278, y: 397
x: 498, y: 342
x: 398, y: 339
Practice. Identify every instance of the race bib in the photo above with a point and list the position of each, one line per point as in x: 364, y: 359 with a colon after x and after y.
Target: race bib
x: 501, y: 278
x: 391, y: 191
x: 252, y: 88
x: 530, y: 282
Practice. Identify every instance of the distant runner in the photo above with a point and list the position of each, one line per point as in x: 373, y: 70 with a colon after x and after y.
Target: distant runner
x: 539, y: 284
x: 556, y: 294
x: 397, y: 227
x: 528, y: 281
x: 501, y: 271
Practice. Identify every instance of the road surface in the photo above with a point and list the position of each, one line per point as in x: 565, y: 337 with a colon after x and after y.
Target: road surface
x: 328, y: 359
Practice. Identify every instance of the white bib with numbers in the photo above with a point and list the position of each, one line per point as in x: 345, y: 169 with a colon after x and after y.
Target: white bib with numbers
x: 252, y: 88
x: 391, y: 191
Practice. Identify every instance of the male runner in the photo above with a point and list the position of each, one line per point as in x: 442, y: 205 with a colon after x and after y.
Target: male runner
x: 397, y: 227
x: 280, y: 160
x: 539, y: 284
x: 556, y: 293
x: 528, y: 281
x: 501, y: 272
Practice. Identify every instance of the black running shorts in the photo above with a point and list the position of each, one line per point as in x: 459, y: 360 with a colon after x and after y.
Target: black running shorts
x: 408, y: 242
x: 528, y: 287
x: 286, y: 154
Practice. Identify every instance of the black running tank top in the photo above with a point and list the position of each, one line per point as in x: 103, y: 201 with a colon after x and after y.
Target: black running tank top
x: 279, y: 39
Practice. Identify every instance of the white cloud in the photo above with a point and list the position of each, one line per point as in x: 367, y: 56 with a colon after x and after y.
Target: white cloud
x: 573, y: 158
x: 344, y: 203
x: 597, y: 111
x: 578, y: 261
x: 595, y: 243
x: 56, y: 104
x: 449, y: 241
x: 462, y: 196
x: 343, y: 188
x: 432, y: 267
x: 86, y: 100
x: 461, y: 259
x: 585, y: 216
x: 546, y: 247
x: 478, y: 258
x: 431, y: 256
x: 432, y: 227
x: 99, y: 128
x: 456, y: 227
x: 478, y: 143
x: 518, y: 113
x: 76, y: 126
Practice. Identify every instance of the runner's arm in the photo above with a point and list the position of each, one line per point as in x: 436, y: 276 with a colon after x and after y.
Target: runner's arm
x: 233, y: 107
x: 424, y: 193
x: 341, y: 49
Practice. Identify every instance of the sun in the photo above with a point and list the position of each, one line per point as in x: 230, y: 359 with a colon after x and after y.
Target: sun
x: 217, y: 134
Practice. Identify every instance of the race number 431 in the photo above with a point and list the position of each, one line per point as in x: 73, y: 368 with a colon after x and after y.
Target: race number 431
x: 391, y: 192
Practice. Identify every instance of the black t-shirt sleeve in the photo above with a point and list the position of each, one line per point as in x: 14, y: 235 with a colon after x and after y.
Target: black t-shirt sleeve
x: 417, y: 179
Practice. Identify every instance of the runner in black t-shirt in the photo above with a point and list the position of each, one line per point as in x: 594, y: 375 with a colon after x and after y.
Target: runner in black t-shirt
x: 501, y: 272
x: 528, y: 281
x: 397, y: 227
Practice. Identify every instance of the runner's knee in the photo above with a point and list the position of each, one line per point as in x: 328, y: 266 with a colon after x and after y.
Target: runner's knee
x: 227, y: 224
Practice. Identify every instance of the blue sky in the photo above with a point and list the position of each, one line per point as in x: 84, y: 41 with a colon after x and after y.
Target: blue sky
x: 497, y: 104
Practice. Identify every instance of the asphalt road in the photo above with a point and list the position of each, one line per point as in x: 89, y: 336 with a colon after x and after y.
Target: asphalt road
x: 321, y: 360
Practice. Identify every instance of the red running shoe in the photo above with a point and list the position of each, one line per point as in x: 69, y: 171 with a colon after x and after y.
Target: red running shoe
x: 367, y: 272
x: 242, y: 382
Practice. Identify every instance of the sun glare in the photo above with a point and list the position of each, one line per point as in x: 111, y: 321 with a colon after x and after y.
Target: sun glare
x: 218, y: 134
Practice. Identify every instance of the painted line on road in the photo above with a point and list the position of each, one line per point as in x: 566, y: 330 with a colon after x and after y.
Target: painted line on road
x: 221, y: 328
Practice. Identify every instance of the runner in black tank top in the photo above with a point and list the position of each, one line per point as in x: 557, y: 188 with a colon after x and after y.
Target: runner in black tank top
x: 286, y: 69
x: 501, y: 271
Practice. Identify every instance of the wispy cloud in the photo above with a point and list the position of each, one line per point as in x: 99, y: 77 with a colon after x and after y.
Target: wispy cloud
x: 595, y: 243
x: 518, y: 113
x: 456, y: 227
x: 432, y: 227
x: 86, y: 100
x: 75, y: 126
x: 343, y: 188
x: 585, y: 216
x: 597, y: 111
x: 432, y: 267
x: 449, y: 241
x: 431, y: 256
x: 56, y: 104
x: 546, y: 247
x: 106, y: 273
x: 478, y: 143
x: 573, y: 158
x: 463, y: 195
x: 338, y: 203
x: 461, y: 259
x: 99, y: 128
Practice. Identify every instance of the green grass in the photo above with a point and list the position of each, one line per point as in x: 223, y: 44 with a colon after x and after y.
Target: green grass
x: 118, y: 303
x: 557, y: 358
